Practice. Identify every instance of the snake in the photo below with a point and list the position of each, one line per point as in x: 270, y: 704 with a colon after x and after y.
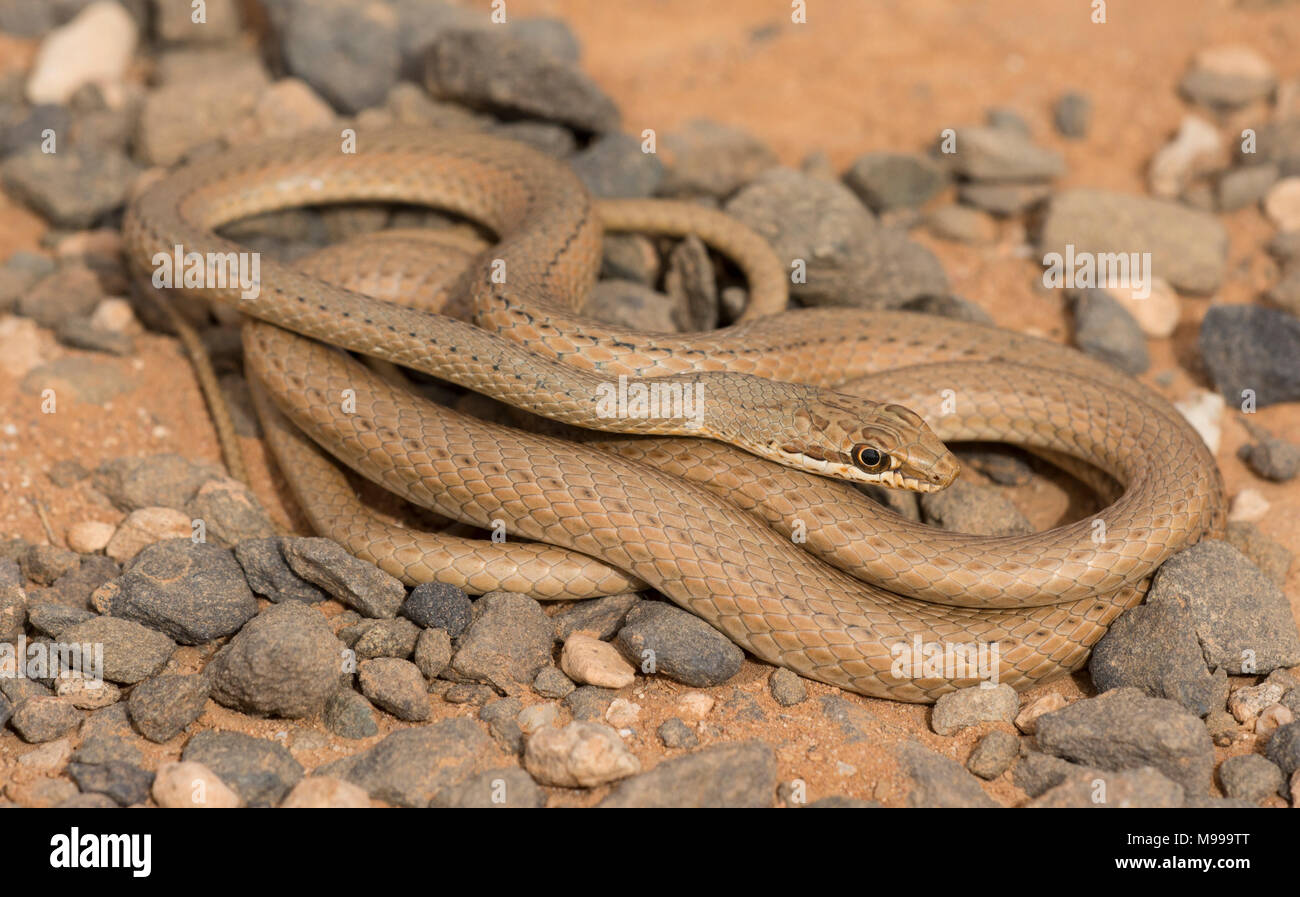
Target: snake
x: 787, y: 400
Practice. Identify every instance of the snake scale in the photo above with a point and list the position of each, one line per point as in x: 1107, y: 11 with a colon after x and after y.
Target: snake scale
x: 705, y: 524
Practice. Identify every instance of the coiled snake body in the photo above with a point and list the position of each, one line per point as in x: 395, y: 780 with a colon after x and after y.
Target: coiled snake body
x: 614, y: 518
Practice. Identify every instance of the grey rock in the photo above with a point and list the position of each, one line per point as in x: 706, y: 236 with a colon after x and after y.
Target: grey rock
x: 1143, y: 787
x: 1037, y: 773
x: 285, y: 662
x: 87, y: 802
x: 1126, y: 729
x: 1272, y: 458
x: 73, y: 188
x: 588, y: 703
x: 90, y: 380
x: 1072, y: 114
x: 23, y: 128
x: 961, y: 224
x: 269, y: 575
x: 1003, y: 199
x: 742, y: 774
x: 552, y: 683
x: 599, y: 618
x: 500, y: 73
x: 966, y: 507
x: 396, y: 686
x: 994, y: 754
x: 165, y: 480
x: 1003, y: 464
x: 102, y: 748
x: 123, y: 783
x: 939, y: 781
x: 437, y: 605
x: 73, y: 590
x: 349, y: 715
x: 1250, y: 777
x: 347, y: 51
x: 837, y: 802
x: 1271, y: 558
x: 661, y: 638
x: 388, y: 638
x: 475, y: 693
x: 193, y: 592
x: 1002, y: 154
x: 1283, y: 748
x: 162, y: 707
x: 1284, y: 246
x: 713, y: 159
x: 501, y: 717
x: 947, y: 305
x: 1237, y: 188
x: 1188, y: 248
x: 691, y: 282
x: 432, y: 652
x: 80, y: 333
x: 6, y: 710
x: 260, y: 771
x: 971, y: 706
x: 40, y: 719
x: 614, y: 166
x: 410, y: 766
x: 1005, y: 118
x: 1248, y: 347
x: 1153, y: 648
x: 131, y: 652
x: 624, y: 257
x: 45, y: 563
x: 885, y: 180
x: 787, y: 688
x: 1237, y: 613
x: 14, y: 607
x: 1276, y: 141
x: 230, y: 513
x: 1105, y: 329
x: 556, y: 141
x: 634, y: 306
x: 510, y: 639
x: 360, y: 585
x: 1223, y: 90
x: 676, y: 734
x: 509, y: 787
x: 848, y: 256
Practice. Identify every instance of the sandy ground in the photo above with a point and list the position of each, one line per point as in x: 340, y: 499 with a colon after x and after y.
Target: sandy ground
x: 858, y: 76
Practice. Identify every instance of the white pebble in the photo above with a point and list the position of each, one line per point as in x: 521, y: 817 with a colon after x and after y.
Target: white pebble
x: 192, y: 785
x: 1203, y: 410
x: 1248, y: 506
x: 622, y: 713
x: 89, y: 536
x: 694, y: 705
x: 1282, y: 203
x: 94, y: 48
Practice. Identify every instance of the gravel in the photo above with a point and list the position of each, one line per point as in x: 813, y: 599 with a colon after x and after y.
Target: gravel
x: 1250, y: 777
x: 660, y: 638
x: 356, y: 583
x: 436, y: 605
x: 1125, y: 729
x: 938, y: 781
x: 260, y: 771
x: 410, y: 766
x: 131, y: 652
x: 162, y: 707
x: 1249, y: 347
x: 743, y: 774
x: 193, y: 592
x: 396, y: 686
x: 510, y: 640
x: 971, y: 706
x: 285, y: 662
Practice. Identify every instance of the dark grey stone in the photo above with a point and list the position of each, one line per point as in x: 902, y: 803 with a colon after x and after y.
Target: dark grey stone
x: 260, y: 771
x: 660, y: 638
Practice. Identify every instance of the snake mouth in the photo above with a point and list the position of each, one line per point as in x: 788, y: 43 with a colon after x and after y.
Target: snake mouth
x: 939, y: 479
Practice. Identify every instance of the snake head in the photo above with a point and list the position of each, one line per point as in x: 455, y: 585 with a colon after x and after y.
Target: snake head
x: 829, y: 433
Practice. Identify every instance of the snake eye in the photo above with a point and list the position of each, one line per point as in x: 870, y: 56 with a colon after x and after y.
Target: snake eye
x: 870, y: 459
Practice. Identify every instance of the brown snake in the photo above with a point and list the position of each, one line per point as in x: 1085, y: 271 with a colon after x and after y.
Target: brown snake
x: 1041, y: 600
